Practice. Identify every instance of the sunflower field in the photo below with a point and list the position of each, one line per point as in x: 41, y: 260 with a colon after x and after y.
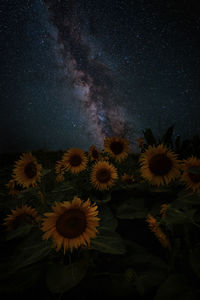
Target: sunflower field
x: 104, y: 222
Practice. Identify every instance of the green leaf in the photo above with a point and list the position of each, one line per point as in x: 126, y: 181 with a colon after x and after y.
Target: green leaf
x: 22, y: 280
x: 174, y: 288
x: 63, y: 186
x: 195, y: 260
x: 107, y: 219
x: 30, y: 251
x: 190, y: 198
x: 133, y: 208
x: 108, y: 241
x: 194, y: 170
x: 175, y: 216
x: 167, y: 137
x: 62, y: 278
x: 21, y: 231
x: 149, y: 136
x: 45, y: 171
x: 148, y: 280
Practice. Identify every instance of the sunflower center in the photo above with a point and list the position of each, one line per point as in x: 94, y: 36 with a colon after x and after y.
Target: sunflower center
x: 30, y: 170
x: 116, y: 147
x: 194, y: 177
x: 103, y: 175
x: 75, y: 160
x: 71, y: 224
x: 95, y: 154
x: 22, y: 219
x: 160, y: 164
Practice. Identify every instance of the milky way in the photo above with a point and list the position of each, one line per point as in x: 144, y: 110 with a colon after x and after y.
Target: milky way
x: 94, y: 83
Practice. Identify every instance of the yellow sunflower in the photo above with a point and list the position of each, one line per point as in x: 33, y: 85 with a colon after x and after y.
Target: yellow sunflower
x: 118, y: 148
x: 192, y: 180
x: 74, y: 160
x: 159, y: 165
x: 103, y: 175
x: 94, y: 154
x: 27, y: 171
x: 127, y: 178
x: 155, y: 228
x: 14, y: 187
x: 71, y: 224
x: 20, y: 216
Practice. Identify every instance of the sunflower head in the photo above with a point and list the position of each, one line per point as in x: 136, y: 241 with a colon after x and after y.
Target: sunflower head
x: 159, y: 165
x: 103, y: 175
x: 71, y: 224
x: 191, y: 179
x: 74, y: 160
x: 14, y: 187
x: 94, y: 154
x: 27, y: 171
x: 20, y: 216
x: 128, y: 179
x: 118, y: 148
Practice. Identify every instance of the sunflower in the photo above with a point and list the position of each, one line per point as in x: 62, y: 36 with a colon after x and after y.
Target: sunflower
x: 192, y: 180
x: 117, y: 148
x: 103, y: 175
x: 27, y: 171
x: 19, y: 216
x: 127, y: 178
x: 14, y: 187
x: 163, y: 210
x: 94, y: 153
x: 159, y: 165
x: 155, y: 228
x: 71, y: 224
x: 74, y: 160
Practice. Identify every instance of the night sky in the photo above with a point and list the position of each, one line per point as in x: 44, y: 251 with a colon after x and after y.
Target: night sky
x: 73, y: 72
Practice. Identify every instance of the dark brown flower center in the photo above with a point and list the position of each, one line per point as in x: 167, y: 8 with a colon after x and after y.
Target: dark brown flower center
x: 71, y: 224
x: 194, y: 177
x: 75, y: 160
x: 30, y: 170
x: 95, y: 154
x: 160, y: 164
x: 116, y: 147
x: 103, y: 175
x: 22, y: 219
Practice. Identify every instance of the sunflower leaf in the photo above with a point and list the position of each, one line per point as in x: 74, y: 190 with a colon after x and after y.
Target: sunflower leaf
x: 131, y: 209
x: 62, y: 278
x: 108, y: 241
x: 107, y: 219
x: 149, y: 136
x: 175, y: 286
x: 21, y: 231
x: 194, y: 170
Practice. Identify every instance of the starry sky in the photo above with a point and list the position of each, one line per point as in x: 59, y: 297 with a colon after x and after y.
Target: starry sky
x: 75, y: 71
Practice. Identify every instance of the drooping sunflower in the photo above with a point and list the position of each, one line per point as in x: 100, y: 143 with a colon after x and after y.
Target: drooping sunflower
x: 103, y: 175
x: 74, y: 160
x: 20, y: 216
x: 129, y: 179
x: 155, y: 228
x: 14, y: 187
x: 27, y: 171
x: 159, y: 165
x: 71, y: 224
x: 192, y: 180
x: 94, y: 154
x: 118, y: 148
